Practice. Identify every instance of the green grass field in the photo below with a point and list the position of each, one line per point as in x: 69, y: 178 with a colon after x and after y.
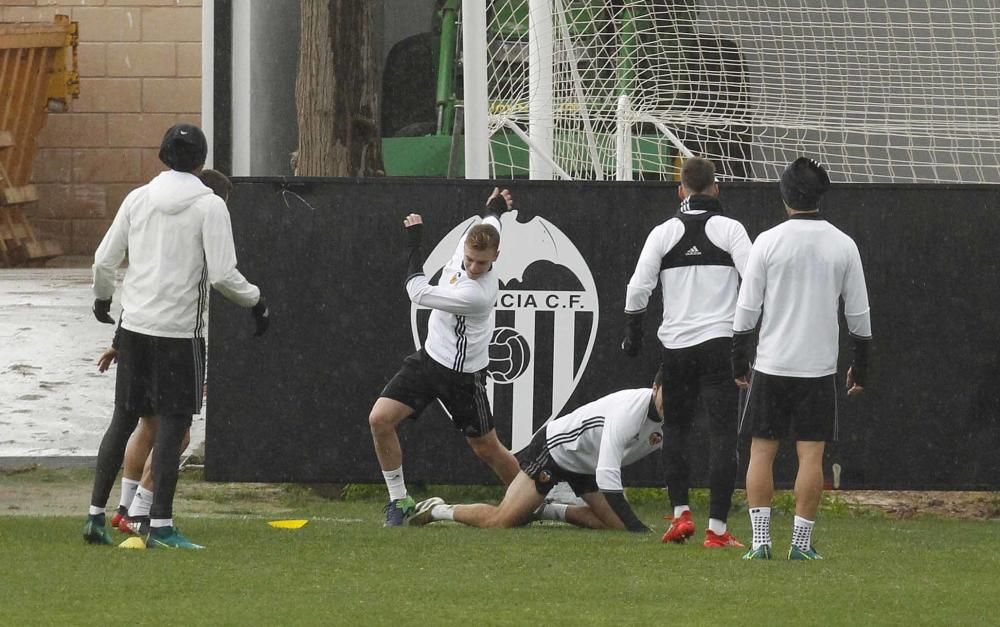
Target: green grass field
x: 343, y: 568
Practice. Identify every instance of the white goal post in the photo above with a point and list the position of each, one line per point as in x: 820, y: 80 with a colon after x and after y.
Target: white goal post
x: 877, y: 90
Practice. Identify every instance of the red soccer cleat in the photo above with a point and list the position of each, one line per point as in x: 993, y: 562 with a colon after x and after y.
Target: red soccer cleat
x: 120, y: 513
x: 681, y: 528
x: 721, y: 541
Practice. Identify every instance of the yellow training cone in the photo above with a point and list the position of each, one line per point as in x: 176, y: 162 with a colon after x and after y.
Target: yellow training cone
x: 288, y: 524
x: 135, y: 542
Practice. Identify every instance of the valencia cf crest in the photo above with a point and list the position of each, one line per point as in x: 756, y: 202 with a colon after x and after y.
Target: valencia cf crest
x: 546, y: 321
x: 544, y: 477
x: 655, y: 438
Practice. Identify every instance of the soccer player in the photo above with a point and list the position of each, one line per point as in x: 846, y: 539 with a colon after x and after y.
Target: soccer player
x: 179, y: 241
x: 587, y: 449
x: 132, y: 515
x: 797, y: 273
x: 451, y: 366
x: 697, y: 257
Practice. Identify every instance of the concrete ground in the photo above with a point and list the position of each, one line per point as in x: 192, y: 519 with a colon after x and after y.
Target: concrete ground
x: 53, y: 401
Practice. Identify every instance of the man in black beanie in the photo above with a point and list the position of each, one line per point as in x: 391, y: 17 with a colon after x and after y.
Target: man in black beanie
x: 797, y: 273
x: 179, y: 241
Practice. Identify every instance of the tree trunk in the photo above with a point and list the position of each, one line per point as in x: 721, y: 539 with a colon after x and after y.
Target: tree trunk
x: 337, y: 90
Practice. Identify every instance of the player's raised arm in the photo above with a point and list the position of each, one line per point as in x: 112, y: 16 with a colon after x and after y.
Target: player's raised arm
x: 469, y: 295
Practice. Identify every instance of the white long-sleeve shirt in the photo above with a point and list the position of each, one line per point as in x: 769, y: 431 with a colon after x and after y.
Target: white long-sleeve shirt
x: 698, y: 300
x: 462, y: 319
x: 602, y: 437
x: 179, y: 241
x: 797, y: 272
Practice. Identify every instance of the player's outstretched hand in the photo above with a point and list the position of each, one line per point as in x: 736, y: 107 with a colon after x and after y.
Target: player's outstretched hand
x: 102, y: 311
x: 107, y: 358
x: 853, y: 389
x: 261, y: 316
x: 500, y: 201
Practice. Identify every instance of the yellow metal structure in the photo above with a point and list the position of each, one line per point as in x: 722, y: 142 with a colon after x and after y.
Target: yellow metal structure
x: 38, y: 73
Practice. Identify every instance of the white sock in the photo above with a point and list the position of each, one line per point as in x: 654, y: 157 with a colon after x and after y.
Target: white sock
x: 716, y: 526
x: 802, y: 533
x: 760, y: 520
x: 141, y: 503
x: 394, y: 481
x: 680, y: 509
x: 129, y: 486
x: 157, y: 523
x: 95, y: 510
x: 443, y: 512
x: 554, y: 511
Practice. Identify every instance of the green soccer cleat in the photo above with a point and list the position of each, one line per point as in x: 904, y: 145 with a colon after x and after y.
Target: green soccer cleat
x: 398, y: 511
x: 94, y: 531
x: 169, y: 538
x: 763, y: 552
x: 795, y: 553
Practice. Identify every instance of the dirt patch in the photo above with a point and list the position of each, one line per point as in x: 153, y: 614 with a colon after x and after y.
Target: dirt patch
x: 33, y: 491
x: 907, y: 504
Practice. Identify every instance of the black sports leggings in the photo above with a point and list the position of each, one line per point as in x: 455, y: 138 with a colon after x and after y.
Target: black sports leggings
x: 111, y: 454
x: 692, y: 377
x: 166, y: 460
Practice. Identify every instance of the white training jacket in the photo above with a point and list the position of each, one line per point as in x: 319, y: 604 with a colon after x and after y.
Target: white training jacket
x: 603, y: 436
x: 698, y: 301
x: 179, y: 240
x: 462, y: 320
x: 797, y: 272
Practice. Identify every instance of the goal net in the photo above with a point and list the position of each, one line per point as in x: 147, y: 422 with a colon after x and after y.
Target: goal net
x: 876, y: 90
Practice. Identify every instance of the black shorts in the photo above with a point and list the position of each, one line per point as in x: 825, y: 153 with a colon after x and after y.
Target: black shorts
x: 159, y: 375
x: 421, y: 380
x: 797, y: 408
x: 537, y: 463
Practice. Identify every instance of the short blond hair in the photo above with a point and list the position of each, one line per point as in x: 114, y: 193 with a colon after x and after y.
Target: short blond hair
x: 483, y: 237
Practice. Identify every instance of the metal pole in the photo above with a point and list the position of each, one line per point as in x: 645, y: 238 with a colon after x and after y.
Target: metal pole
x: 476, y: 105
x: 540, y: 120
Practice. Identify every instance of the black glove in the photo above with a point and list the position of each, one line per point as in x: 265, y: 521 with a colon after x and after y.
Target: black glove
x: 102, y: 311
x: 632, y: 343
x: 498, y: 205
x: 414, y: 235
x: 624, y: 512
x: 742, y: 348
x: 860, y: 366
x: 261, y: 316
x: 414, y: 253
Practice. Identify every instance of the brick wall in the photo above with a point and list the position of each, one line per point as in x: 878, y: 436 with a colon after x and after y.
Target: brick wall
x: 140, y: 72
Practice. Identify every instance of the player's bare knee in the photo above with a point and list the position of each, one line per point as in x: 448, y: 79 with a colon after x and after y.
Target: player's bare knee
x: 380, y: 422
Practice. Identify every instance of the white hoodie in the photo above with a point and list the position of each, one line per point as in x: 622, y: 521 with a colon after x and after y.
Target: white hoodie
x: 178, y: 236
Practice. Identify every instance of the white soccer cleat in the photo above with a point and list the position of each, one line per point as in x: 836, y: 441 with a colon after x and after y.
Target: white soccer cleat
x: 422, y: 514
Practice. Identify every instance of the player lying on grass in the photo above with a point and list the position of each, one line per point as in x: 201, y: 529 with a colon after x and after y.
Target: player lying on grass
x: 587, y: 449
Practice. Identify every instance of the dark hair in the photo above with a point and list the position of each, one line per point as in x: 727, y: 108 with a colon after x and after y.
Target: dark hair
x: 697, y: 175
x: 217, y: 182
x: 483, y: 237
x: 184, y: 148
x: 803, y: 183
